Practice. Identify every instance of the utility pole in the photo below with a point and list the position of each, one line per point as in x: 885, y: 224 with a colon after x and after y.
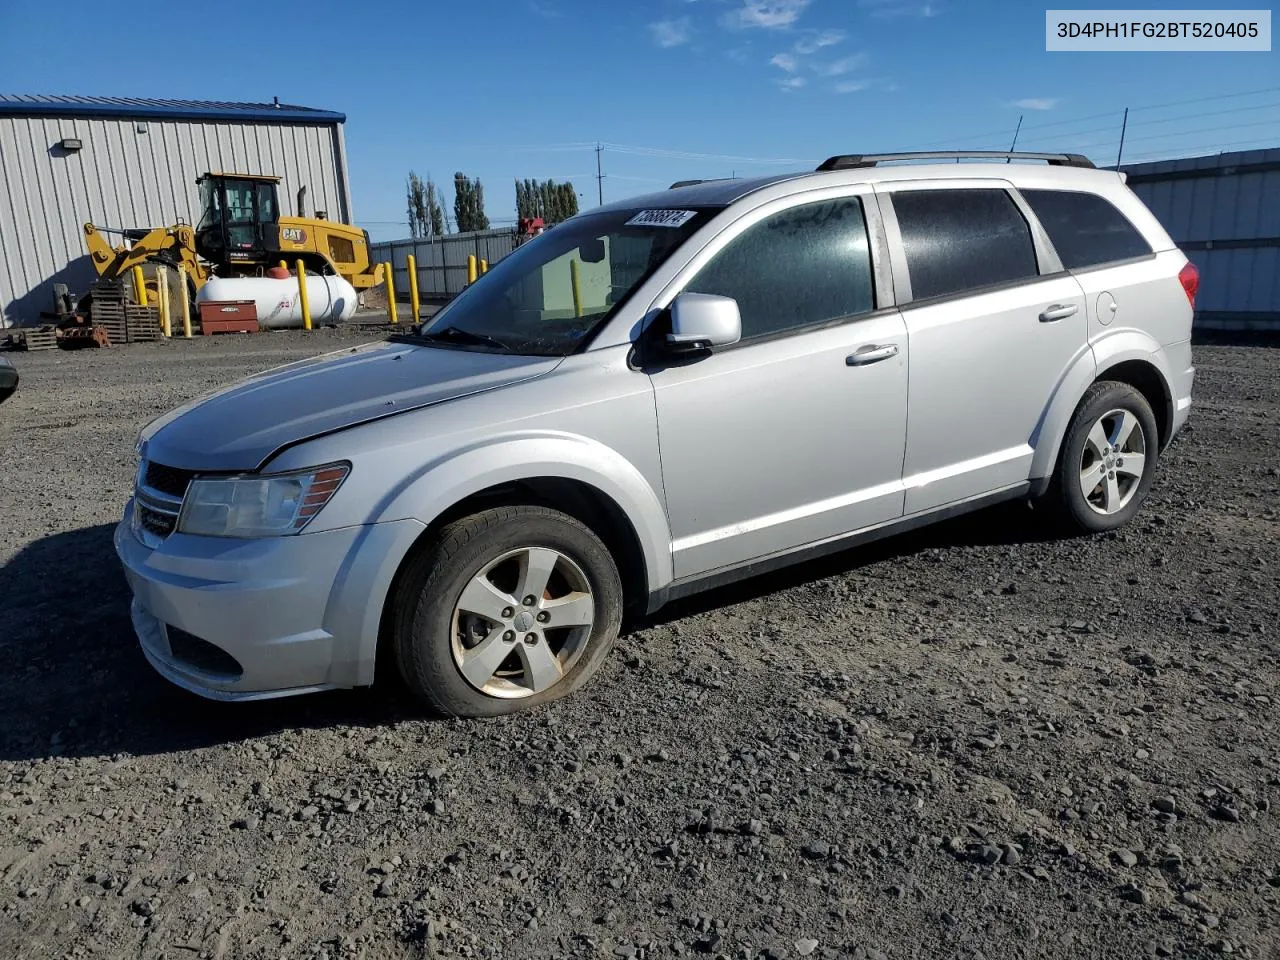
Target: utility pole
x: 599, y: 176
x: 1123, y: 126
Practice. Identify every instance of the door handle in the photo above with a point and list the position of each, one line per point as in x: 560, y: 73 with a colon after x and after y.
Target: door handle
x: 871, y: 354
x: 1059, y: 311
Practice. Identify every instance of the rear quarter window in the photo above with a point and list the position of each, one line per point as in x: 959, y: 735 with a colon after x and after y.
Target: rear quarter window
x: 1085, y: 229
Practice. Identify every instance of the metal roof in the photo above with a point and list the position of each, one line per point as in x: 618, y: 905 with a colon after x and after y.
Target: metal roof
x: 34, y: 105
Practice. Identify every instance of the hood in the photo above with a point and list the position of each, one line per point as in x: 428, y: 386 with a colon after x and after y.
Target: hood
x: 239, y: 427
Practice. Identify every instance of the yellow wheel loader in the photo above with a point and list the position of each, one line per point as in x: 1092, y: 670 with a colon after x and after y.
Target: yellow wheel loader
x: 240, y: 233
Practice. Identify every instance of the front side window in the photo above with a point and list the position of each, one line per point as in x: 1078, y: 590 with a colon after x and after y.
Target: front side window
x: 959, y: 240
x: 552, y: 293
x: 1085, y: 229
x: 802, y: 266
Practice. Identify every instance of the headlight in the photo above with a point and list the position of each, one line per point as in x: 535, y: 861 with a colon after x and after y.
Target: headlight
x: 252, y: 506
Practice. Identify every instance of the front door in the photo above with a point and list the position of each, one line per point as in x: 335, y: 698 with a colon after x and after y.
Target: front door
x: 794, y: 435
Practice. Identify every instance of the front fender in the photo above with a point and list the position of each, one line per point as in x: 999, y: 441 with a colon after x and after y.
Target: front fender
x: 428, y: 492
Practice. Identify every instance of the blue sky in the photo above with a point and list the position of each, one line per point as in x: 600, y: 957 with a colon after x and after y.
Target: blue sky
x: 676, y: 88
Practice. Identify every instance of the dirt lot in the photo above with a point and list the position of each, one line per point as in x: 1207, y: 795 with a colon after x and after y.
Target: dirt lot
x: 974, y: 741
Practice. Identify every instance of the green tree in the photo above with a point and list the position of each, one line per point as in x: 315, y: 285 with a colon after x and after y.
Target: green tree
x: 522, y: 200
x: 434, y: 210
x: 570, y: 200
x: 468, y: 204
x: 426, y: 217
x: 419, y: 215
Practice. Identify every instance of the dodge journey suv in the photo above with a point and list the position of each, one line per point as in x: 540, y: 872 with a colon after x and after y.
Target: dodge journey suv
x: 654, y: 397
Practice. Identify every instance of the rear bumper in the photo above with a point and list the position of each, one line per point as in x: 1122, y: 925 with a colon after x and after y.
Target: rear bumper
x: 262, y: 618
x: 1183, y: 375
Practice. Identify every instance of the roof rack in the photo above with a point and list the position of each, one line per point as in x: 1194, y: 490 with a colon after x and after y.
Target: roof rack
x: 690, y: 183
x: 850, y: 161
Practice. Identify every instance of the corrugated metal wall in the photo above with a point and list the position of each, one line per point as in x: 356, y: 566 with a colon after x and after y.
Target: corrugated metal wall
x: 126, y: 178
x: 1224, y: 212
x: 442, y: 263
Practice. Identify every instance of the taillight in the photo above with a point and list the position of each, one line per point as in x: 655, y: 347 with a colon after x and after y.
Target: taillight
x: 1189, y: 277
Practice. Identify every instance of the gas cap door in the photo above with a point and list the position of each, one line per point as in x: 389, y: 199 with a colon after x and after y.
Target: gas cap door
x: 1106, y: 308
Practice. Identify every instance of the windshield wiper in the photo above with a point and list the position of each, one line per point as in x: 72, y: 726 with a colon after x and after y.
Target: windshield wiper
x: 459, y: 335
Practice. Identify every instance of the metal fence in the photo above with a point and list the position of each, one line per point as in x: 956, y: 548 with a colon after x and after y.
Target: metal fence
x: 442, y: 261
x: 1223, y: 211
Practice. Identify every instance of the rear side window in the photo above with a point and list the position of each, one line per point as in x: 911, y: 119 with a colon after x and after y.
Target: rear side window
x: 1085, y: 229
x: 801, y: 266
x: 958, y: 240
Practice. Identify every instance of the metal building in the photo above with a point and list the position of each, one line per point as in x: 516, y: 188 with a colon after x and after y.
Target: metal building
x: 125, y: 163
x: 1224, y: 212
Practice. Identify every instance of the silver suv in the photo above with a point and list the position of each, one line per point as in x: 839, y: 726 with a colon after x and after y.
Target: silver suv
x: 655, y: 397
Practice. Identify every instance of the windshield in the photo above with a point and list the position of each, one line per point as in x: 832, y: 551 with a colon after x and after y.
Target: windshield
x: 551, y: 294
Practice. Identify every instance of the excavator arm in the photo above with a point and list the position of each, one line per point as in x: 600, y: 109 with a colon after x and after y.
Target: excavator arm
x: 174, y: 244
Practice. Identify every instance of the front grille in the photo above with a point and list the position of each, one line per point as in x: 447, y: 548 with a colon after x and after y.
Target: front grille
x: 167, y: 480
x: 202, y: 655
x: 155, y: 522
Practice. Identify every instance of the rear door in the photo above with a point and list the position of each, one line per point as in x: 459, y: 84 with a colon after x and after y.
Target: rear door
x: 993, y: 322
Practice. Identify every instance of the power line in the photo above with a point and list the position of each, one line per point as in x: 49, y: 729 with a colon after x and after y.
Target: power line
x: 1097, y: 116
x: 670, y: 154
x: 1206, y: 150
x: 1188, y: 133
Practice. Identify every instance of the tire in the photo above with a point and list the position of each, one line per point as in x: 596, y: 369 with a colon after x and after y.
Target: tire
x: 1109, y: 412
x: 446, y: 618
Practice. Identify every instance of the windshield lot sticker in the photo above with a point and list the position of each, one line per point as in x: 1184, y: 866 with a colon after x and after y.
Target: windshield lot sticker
x: 661, y: 218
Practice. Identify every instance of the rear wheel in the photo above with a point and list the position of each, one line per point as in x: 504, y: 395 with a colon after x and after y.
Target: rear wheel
x: 1108, y: 458
x: 509, y: 608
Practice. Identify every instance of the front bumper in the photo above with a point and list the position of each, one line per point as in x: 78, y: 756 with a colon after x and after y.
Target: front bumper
x: 287, y: 615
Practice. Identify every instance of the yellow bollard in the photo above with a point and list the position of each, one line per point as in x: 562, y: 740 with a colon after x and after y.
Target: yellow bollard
x: 283, y: 265
x: 413, y: 286
x: 484, y: 267
x: 577, y: 287
x: 139, y: 287
x: 302, y: 295
x: 162, y: 297
x: 186, y: 302
x: 391, y: 293
x: 471, y: 268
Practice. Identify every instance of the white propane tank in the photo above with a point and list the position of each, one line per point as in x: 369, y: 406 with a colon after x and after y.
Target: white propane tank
x: 331, y: 299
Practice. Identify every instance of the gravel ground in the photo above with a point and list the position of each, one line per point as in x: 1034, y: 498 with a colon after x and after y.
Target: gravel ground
x: 972, y: 741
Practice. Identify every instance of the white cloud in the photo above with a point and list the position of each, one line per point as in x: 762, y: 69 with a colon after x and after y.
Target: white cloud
x: 544, y: 10
x: 1037, y: 103
x: 671, y: 33
x: 817, y: 39
x: 766, y: 14
x: 786, y: 61
x: 840, y: 67
x: 900, y: 8
x: 851, y: 86
x: 792, y: 83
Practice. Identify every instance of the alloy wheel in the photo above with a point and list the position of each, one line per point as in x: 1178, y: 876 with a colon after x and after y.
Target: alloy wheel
x: 1113, y: 461
x: 522, y: 622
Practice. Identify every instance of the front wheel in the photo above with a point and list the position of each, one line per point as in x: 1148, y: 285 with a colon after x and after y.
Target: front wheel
x: 1108, y: 458
x: 509, y: 608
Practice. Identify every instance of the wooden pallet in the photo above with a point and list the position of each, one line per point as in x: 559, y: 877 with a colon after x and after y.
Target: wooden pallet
x: 41, y: 338
x: 142, y: 324
x: 109, y: 314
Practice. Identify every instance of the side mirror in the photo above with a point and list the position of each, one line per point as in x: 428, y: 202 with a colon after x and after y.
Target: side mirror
x: 700, y: 321
x: 592, y: 251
